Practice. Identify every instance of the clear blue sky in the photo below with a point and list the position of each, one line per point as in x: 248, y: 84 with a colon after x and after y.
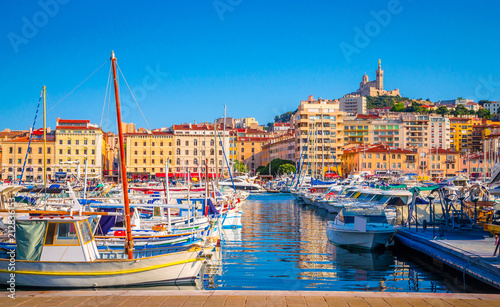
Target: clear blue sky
x: 260, y: 58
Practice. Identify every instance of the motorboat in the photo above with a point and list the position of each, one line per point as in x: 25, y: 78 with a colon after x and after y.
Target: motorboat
x: 242, y: 183
x: 365, y: 228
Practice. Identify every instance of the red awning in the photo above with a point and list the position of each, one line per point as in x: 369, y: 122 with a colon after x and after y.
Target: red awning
x: 184, y: 175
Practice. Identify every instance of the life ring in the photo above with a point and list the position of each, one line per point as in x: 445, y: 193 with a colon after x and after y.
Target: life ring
x: 313, y: 190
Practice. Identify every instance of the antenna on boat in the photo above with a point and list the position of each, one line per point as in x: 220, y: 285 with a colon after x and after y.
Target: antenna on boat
x: 129, y: 243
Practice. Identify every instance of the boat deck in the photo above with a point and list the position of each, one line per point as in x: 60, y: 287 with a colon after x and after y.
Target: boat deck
x: 245, y: 298
x: 469, y: 251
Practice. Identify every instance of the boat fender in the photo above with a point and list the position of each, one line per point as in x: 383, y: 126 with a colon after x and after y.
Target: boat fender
x: 424, y: 225
x: 313, y: 190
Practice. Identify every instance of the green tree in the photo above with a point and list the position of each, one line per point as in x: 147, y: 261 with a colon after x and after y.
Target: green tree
x: 483, y: 113
x: 240, y: 167
x: 483, y: 101
x: 275, y: 164
x: 398, y: 107
x: 286, y: 169
x: 461, y: 110
x: 442, y: 110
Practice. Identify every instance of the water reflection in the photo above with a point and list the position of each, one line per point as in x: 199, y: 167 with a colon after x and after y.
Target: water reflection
x: 283, y: 246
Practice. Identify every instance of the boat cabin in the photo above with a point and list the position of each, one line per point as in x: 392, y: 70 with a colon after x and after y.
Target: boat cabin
x: 370, y: 216
x: 55, y: 238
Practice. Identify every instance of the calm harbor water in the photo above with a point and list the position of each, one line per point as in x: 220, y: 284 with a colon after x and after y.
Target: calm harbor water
x: 283, y: 246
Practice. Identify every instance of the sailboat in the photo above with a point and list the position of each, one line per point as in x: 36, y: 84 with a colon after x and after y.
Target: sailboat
x: 59, y: 251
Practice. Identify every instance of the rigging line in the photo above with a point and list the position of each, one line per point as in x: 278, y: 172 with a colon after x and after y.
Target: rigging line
x: 29, y: 143
x: 105, y: 95
x: 78, y: 86
x: 133, y: 96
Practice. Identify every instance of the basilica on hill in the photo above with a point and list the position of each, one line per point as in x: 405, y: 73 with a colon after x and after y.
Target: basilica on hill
x: 374, y: 88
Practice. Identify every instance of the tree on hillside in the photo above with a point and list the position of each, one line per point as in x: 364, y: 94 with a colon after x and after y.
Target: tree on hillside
x: 483, y: 101
x: 483, y: 113
x: 285, y: 117
x: 460, y: 110
x: 442, y: 110
x: 398, y: 107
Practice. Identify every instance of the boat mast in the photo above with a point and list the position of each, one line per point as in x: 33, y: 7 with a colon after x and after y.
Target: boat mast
x: 44, y: 144
x: 129, y: 243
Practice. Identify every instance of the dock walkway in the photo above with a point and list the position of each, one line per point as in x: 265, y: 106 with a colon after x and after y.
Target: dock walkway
x: 467, y: 251
x: 218, y: 298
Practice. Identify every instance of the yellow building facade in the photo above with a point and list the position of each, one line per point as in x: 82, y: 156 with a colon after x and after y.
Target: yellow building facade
x: 75, y: 142
x: 16, y: 156
x: 147, y: 154
x: 462, y: 138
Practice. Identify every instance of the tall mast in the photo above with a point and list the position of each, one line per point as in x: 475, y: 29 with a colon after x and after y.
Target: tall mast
x: 129, y: 244
x: 44, y: 144
x: 216, y: 157
x: 224, y: 138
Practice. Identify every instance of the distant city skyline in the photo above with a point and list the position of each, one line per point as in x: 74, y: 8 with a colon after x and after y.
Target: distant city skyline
x: 185, y: 62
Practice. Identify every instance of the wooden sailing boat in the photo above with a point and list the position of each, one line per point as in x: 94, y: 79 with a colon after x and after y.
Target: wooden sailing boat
x: 59, y: 251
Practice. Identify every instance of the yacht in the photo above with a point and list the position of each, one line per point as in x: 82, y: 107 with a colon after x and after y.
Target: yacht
x: 242, y: 183
x: 360, y: 228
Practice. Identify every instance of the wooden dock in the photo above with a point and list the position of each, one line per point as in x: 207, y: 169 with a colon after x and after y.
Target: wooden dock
x: 466, y: 251
x: 190, y: 298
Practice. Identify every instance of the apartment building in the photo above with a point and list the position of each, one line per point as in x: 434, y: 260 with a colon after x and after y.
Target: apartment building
x: 379, y: 159
x: 196, y: 142
x: 75, y: 142
x: 279, y: 147
x: 147, y: 154
x: 462, y: 138
x: 250, y: 143
x: 16, y: 156
x: 319, y: 126
x: 353, y: 104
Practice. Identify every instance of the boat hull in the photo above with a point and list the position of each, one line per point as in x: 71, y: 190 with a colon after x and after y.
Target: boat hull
x: 357, y: 239
x: 170, y: 268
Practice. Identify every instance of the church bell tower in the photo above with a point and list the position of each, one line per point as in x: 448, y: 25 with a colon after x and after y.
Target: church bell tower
x: 380, y: 77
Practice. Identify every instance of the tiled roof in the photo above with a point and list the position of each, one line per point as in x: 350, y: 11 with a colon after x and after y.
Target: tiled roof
x: 77, y: 128
x: 73, y: 121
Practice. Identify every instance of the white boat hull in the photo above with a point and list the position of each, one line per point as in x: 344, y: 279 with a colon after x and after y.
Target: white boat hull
x: 364, y: 240
x: 164, y: 269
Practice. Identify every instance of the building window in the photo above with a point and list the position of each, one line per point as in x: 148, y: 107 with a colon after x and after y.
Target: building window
x: 60, y: 151
x: 85, y: 151
x: 40, y: 150
x: 178, y: 151
x: 69, y: 151
x: 39, y: 161
x: 178, y: 142
x: 77, y: 142
x: 187, y: 152
x: 84, y: 142
x: 135, y: 161
x: 69, y: 142
x: 135, y: 152
x: 195, y: 152
x: 48, y: 150
x: 152, y: 143
x: 135, y: 144
x: 93, y: 151
x: 187, y: 143
x: 48, y: 161
x: 144, y: 144
x: 161, y: 143
x: 153, y: 161
x: 11, y: 149
x: 19, y: 150
x: 195, y: 142
x: 93, y: 142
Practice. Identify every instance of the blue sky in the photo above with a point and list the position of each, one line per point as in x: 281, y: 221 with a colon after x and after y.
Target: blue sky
x: 185, y: 60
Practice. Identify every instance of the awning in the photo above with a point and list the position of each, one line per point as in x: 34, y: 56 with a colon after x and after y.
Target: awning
x: 185, y: 175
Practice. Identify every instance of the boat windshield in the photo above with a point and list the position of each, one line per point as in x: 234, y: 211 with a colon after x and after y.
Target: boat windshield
x: 376, y: 219
x: 385, y: 198
x: 378, y: 197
